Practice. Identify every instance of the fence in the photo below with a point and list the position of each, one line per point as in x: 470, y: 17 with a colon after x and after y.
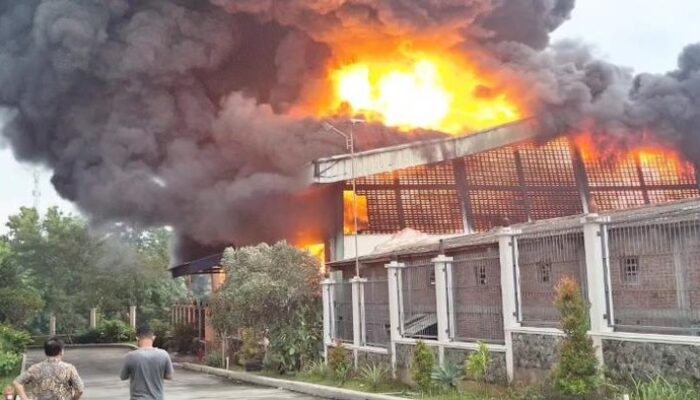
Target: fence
x: 543, y: 259
x: 638, y: 270
x: 476, y: 290
x: 419, y: 316
x: 655, y: 274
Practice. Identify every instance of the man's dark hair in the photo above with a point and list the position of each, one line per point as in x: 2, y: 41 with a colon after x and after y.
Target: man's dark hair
x: 144, y: 331
x: 53, y: 347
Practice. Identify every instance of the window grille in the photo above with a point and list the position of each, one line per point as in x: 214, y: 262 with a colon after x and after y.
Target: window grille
x: 544, y: 272
x: 630, y: 270
x: 481, y: 277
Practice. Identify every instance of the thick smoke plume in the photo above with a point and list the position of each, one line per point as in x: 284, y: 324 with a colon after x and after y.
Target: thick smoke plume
x: 187, y: 113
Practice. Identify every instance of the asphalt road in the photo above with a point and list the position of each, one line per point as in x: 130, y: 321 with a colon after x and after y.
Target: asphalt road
x: 99, y: 368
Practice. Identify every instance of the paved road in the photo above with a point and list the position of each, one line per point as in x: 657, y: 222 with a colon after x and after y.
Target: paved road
x: 100, y: 367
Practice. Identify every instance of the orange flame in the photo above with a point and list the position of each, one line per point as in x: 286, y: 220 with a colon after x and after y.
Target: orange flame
x: 348, y: 213
x: 410, y: 89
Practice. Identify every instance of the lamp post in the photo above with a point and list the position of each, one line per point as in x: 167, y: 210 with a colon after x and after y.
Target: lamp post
x: 350, y: 145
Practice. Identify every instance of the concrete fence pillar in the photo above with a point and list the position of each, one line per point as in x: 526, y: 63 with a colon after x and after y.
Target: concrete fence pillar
x: 359, y: 335
x: 597, y: 278
x: 132, y: 317
x: 444, y: 304
x: 510, y: 278
x: 52, y: 325
x: 393, y: 270
x: 93, y: 318
x: 327, y: 287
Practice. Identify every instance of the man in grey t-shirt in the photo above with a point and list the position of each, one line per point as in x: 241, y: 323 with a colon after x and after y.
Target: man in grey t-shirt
x: 146, y: 368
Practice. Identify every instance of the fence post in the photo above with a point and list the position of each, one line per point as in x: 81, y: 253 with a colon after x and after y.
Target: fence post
x: 93, y: 318
x: 132, y: 317
x: 596, y: 278
x: 509, y: 292
x: 444, y: 305
x: 358, y: 316
x: 328, y: 320
x: 394, y: 281
x: 52, y: 325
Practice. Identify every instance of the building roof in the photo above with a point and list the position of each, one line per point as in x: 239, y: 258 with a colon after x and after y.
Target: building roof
x: 630, y: 215
x: 339, y: 168
x: 206, y: 265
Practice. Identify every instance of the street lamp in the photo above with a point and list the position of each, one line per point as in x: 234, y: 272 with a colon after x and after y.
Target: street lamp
x: 350, y: 145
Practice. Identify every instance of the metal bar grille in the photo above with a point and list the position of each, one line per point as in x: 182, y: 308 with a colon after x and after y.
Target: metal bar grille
x: 476, y: 287
x: 418, y: 297
x: 655, y: 274
x: 543, y: 259
x: 377, y: 323
x: 342, y: 311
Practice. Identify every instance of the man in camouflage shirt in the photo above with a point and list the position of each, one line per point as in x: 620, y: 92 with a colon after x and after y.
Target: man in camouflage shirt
x: 51, y: 379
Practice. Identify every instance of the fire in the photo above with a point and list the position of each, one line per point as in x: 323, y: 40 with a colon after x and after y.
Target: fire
x: 348, y: 213
x: 410, y: 89
x: 316, y: 250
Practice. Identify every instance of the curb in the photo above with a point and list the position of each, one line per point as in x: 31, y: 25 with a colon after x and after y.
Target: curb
x: 92, y: 345
x: 311, y: 389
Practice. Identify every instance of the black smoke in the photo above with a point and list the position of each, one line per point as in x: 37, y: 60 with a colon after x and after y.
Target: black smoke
x: 183, y: 112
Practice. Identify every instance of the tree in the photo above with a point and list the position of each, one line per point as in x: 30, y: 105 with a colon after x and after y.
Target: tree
x: 275, y: 288
x: 577, y: 373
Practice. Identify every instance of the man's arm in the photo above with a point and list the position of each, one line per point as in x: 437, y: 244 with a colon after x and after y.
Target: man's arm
x: 77, y: 383
x: 126, y: 369
x: 169, y: 370
x: 23, y: 379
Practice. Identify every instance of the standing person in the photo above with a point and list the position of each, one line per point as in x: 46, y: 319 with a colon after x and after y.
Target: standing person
x: 51, y: 379
x: 146, y: 368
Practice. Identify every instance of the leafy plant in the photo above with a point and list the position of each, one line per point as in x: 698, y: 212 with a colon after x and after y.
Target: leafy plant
x: 374, y: 375
x: 342, y: 373
x: 164, y: 334
x: 252, y: 349
x: 317, y: 369
x: 13, y: 340
x: 296, y: 341
x: 9, y: 363
x: 448, y: 377
x: 577, y: 373
x: 338, y: 358
x: 185, y: 338
x: 108, y: 331
x: 477, y: 366
x: 422, y: 367
x: 215, y: 360
x: 660, y: 388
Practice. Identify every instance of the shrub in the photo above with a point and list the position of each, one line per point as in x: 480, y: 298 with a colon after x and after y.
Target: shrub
x: 422, y: 367
x: 9, y: 363
x: 478, y: 363
x: 185, y: 339
x: 251, y: 349
x: 448, y: 377
x: 577, y: 372
x: 661, y: 389
x: 215, y: 360
x: 338, y: 358
x: 13, y: 340
x: 374, y: 375
x: 317, y: 369
x: 164, y: 334
x: 342, y: 373
x: 107, y: 331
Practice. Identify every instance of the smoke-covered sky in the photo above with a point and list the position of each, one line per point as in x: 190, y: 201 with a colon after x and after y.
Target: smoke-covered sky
x: 634, y: 33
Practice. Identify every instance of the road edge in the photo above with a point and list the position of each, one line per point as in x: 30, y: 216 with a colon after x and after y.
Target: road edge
x: 311, y: 389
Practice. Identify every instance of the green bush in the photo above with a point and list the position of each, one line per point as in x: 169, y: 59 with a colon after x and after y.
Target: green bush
x: 316, y: 369
x: 13, y: 340
x: 185, y: 339
x: 107, y: 331
x: 448, y: 377
x: 164, y: 334
x: 251, y: 349
x: 10, y: 363
x: 215, y: 360
x: 374, y: 375
x: 660, y: 388
x: 422, y: 367
x: 338, y: 359
x: 577, y: 372
x: 477, y: 366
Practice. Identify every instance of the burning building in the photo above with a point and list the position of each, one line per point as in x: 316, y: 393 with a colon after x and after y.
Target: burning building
x: 495, y: 178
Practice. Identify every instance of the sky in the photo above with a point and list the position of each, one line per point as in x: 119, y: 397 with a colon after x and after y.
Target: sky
x: 646, y: 35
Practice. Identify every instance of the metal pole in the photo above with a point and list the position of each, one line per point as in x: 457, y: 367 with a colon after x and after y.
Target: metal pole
x: 354, y: 198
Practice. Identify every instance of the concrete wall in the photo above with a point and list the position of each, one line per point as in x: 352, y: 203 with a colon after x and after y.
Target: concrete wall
x: 626, y: 360
x: 534, y: 356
